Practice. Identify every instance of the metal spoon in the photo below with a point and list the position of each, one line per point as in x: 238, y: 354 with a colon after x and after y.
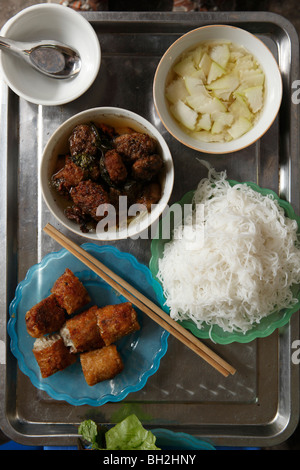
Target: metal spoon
x: 51, y: 58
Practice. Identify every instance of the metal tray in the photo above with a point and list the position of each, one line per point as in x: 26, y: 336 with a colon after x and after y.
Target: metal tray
x: 259, y: 406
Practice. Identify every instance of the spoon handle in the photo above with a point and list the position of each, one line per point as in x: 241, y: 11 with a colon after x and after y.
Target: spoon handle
x: 4, y: 43
x: 7, y: 44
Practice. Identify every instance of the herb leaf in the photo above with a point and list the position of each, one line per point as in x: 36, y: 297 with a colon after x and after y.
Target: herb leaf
x: 89, y: 431
x: 130, y: 434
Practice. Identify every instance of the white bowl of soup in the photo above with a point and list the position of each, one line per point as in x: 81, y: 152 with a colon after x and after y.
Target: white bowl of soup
x: 217, y: 89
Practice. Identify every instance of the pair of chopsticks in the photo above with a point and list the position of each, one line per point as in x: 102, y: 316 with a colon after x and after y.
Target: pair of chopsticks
x: 141, y: 302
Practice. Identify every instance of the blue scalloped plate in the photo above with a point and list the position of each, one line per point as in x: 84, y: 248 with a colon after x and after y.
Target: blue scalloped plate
x: 141, y: 351
x: 170, y: 440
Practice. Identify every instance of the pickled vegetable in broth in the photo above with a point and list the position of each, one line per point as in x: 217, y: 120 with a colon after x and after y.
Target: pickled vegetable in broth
x: 216, y: 91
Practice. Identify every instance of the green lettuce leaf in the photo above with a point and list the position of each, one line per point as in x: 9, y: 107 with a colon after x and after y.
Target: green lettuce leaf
x: 130, y: 434
x: 90, y: 433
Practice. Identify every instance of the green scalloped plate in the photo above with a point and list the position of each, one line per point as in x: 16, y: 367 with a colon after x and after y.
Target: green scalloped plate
x: 268, y: 324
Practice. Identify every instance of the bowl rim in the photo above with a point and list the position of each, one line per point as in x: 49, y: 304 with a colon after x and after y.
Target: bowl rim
x: 215, y: 147
x: 97, y: 60
x: 154, y: 215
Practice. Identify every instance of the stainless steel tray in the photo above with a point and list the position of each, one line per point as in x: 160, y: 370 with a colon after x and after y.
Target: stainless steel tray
x: 260, y: 404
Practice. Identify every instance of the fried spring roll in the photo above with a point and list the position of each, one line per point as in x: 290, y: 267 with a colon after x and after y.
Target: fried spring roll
x: 116, y: 321
x: 45, y: 317
x: 70, y: 292
x: 101, y: 364
x: 81, y: 333
x: 52, y: 355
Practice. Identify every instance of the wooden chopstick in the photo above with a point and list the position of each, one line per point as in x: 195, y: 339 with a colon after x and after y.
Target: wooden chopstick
x: 141, y: 302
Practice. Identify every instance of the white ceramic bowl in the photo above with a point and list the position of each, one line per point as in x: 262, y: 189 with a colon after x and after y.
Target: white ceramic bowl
x: 115, y: 117
x: 50, y: 21
x: 273, y: 85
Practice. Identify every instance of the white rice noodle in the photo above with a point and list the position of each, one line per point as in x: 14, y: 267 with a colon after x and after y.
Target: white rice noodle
x: 243, y: 267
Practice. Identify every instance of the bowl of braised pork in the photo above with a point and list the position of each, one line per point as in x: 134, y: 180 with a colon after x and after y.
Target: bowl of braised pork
x: 106, y: 174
